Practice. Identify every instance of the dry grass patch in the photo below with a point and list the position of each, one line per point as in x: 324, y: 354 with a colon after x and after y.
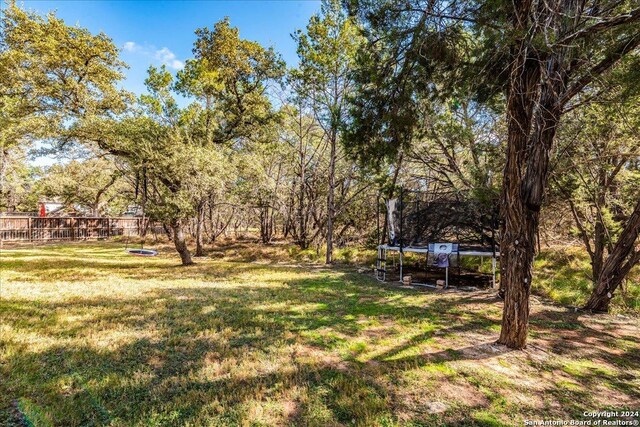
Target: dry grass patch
x: 94, y: 337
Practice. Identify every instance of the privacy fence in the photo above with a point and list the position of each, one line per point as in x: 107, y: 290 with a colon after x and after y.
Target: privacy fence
x: 69, y: 228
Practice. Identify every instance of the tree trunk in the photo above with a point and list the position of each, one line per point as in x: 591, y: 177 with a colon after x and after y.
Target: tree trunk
x: 199, y: 224
x: 180, y: 243
x: 537, y: 87
x: 518, y: 232
x: 331, y: 210
x: 522, y: 200
x: 394, y: 180
x: 167, y: 231
x: 598, y: 249
x: 266, y: 232
x: 618, y: 264
x: 3, y: 168
x: 302, y: 223
x: 599, y: 237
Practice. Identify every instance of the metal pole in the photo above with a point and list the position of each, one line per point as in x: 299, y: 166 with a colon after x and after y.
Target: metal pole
x: 378, y: 221
x: 401, y: 219
x: 401, y: 257
x: 493, y: 267
x: 416, y: 237
x: 384, y: 274
x: 378, y: 263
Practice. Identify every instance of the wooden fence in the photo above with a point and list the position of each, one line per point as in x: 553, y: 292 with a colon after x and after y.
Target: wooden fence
x: 68, y: 228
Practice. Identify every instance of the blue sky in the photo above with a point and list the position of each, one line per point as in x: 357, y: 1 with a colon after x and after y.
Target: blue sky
x: 162, y: 32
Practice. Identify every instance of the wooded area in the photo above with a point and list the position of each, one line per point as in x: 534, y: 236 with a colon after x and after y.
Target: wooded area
x: 531, y: 105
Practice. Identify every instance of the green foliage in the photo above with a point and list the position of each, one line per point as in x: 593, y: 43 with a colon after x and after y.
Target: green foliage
x: 185, y: 154
x: 175, y: 171
x: 327, y: 52
x: 230, y: 76
x: 323, y: 81
x: 411, y: 65
x: 95, y: 186
x: 563, y: 275
x: 596, y: 175
x: 460, y: 146
x: 19, y: 187
x: 53, y: 75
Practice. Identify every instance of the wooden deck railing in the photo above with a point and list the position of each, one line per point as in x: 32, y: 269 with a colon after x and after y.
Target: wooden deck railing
x: 68, y: 228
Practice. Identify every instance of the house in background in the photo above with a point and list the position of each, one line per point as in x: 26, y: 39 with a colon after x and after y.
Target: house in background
x: 133, y: 210
x: 50, y: 208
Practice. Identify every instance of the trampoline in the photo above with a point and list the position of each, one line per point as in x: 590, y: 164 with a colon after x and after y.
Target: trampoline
x: 141, y: 252
x: 421, y: 223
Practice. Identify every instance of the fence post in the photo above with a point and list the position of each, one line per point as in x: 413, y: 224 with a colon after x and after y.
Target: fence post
x: 108, y: 228
x: 30, y: 229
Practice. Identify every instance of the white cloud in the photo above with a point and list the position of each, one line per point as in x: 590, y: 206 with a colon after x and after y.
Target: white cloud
x: 131, y: 47
x: 168, y: 58
x: 164, y: 55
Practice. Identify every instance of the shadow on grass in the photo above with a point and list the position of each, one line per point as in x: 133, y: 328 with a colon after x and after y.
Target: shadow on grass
x: 230, y: 355
x: 68, y: 269
x: 193, y: 329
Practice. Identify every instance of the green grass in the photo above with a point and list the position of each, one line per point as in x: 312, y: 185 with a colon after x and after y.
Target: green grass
x: 563, y: 275
x: 91, y: 336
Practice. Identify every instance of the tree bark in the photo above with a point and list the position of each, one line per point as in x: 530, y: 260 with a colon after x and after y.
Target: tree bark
x: 618, y: 264
x: 597, y: 260
x: 535, y: 102
x: 394, y: 180
x: 518, y: 231
x: 302, y: 223
x: 331, y: 210
x: 180, y: 243
x: 3, y: 168
x: 199, y: 224
x: 266, y: 231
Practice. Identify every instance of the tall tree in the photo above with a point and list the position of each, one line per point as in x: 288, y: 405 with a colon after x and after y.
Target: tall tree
x: 582, y: 41
x: 182, y: 152
x: 327, y: 51
x: 541, y: 55
x: 157, y: 143
x: 52, y: 76
x: 302, y: 133
x: 230, y: 77
x: 596, y: 172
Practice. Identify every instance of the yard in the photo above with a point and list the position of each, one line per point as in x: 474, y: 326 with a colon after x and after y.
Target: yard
x: 92, y: 336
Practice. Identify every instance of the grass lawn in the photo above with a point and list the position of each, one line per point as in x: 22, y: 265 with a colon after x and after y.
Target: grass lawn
x: 563, y: 275
x: 91, y: 336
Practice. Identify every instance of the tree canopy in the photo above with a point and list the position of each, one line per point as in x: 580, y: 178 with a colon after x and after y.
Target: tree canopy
x: 53, y: 75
